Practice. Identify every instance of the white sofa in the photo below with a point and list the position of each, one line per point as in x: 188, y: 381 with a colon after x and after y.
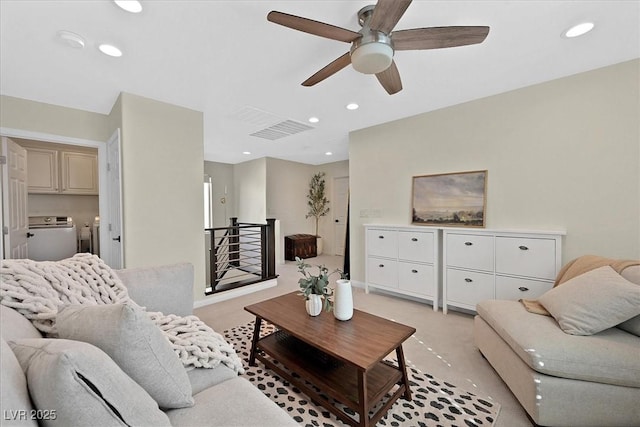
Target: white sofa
x: 562, y: 379
x: 221, y: 397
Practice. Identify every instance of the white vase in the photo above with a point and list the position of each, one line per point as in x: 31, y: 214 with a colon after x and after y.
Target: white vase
x: 343, y: 300
x: 314, y: 304
x: 319, y: 245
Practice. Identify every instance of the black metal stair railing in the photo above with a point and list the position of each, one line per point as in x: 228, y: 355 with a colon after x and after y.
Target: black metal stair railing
x: 241, y: 254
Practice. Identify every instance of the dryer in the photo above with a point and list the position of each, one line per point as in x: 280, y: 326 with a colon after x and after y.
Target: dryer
x: 51, y: 238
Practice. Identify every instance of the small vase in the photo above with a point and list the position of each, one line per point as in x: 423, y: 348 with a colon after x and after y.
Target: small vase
x: 314, y: 304
x: 343, y: 300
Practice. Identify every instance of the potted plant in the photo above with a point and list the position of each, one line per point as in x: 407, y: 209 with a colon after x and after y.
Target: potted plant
x: 316, y: 288
x: 317, y: 204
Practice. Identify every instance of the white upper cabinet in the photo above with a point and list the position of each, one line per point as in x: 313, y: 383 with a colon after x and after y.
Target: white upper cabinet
x: 42, y: 171
x: 51, y: 171
x: 79, y: 173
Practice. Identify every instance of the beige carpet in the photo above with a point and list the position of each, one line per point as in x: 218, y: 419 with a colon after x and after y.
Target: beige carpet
x: 443, y: 344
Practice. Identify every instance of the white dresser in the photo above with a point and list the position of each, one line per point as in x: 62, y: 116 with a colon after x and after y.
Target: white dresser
x: 495, y: 264
x: 403, y: 260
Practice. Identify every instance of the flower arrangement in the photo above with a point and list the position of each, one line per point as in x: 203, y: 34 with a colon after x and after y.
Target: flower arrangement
x: 319, y: 284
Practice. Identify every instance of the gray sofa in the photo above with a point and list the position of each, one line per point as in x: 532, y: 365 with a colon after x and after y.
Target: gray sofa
x: 221, y: 397
x: 562, y: 379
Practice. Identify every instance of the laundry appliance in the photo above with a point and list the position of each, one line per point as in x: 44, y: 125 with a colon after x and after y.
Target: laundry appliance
x: 51, y: 238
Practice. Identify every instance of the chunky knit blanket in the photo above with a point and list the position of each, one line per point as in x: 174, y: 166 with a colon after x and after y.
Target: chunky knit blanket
x: 38, y: 289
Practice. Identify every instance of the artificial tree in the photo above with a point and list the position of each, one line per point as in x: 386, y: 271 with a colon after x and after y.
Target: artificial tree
x: 317, y: 202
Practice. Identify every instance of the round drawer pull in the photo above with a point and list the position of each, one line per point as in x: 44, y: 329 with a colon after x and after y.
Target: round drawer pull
x: 381, y: 265
x: 468, y: 243
x: 380, y: 237
x: 414, y: 239
x: 468, y: 280
x: 523, y: 289
x: 523, y: 248
x: 414, y: 271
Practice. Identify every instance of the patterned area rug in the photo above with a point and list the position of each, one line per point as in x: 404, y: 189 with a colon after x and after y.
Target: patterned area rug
x: 435, y: 402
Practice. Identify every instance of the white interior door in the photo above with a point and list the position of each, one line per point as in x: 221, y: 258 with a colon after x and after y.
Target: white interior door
x: 14, y: 200
x: 340, y: 203
x: 114, y: 238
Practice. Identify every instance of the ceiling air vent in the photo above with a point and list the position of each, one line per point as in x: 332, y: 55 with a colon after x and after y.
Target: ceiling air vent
x: 268, y: 126
x: 281, y: 130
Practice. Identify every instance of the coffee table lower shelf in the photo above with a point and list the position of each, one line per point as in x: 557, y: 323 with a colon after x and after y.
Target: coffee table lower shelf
x: 337, y: 380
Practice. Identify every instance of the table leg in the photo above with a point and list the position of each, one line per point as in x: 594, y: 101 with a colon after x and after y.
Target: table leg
x: 363, y: 408
x: 403, y: 368
x: 254, y: 342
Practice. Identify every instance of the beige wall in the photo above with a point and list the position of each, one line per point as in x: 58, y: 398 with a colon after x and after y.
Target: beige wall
x: 162, y: 170
x: 17, y: 113
x: 222, y: 182
x: 250, y: 190
x: 561, y: 155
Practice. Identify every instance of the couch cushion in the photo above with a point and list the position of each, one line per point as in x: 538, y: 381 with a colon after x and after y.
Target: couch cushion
x: 592, y: 302
x: 203, y: 378
x: 135, y: 343
x: 234, y: 403
x: 609, y: 357
x: 83, y: 385
x: 15, y: 404
x: 15, y: 326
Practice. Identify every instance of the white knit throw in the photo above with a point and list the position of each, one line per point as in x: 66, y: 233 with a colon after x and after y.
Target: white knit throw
x: 38, y: 289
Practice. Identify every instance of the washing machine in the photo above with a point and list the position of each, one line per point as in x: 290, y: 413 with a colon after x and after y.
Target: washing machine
x: 51, y: 238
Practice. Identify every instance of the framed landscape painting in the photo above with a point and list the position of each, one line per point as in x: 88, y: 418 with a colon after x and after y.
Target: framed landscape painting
x: 450, y: 199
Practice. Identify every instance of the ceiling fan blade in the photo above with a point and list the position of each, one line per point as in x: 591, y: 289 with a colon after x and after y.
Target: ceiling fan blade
x: 329, y: 70
x: 390, y: 79
x: 387, y: 13
x: 313, y: 27
x: 438, y: 37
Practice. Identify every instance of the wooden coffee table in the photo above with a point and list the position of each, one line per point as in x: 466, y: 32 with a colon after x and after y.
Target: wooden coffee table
x: 343, y: 359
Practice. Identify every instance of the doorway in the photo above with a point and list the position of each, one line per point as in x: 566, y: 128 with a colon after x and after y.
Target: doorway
x: 340, y: 205
x: 103, y: 200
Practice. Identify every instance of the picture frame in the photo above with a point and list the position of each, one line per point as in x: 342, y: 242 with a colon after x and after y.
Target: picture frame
x: 456, y: 199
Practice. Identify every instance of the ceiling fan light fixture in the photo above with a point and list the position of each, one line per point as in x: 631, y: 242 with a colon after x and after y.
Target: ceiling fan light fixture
x: 371, y: 58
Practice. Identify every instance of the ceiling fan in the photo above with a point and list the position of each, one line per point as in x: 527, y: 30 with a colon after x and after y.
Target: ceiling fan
x: 373, y: 47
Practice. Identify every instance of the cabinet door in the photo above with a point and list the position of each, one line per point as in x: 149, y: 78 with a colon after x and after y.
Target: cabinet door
x: 382, y: 243
x: 79, y: 173
x: 469, y: 251
x: 42, y: 170
x: 383, y: 272
x: 418, y: 278
x: 468, y: 287
x: 531, y: 257
x: 515, y: 288
x: 416, y: 246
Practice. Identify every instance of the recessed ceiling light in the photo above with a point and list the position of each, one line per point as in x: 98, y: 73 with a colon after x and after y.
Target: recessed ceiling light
x: 580, y: 29
x: 328, y: 153
x: 246, y: 152
x: 313, y: 120
x: 352, y: 106
x: 71, y: 39
x: 110, y: 50
x: 133, y: 6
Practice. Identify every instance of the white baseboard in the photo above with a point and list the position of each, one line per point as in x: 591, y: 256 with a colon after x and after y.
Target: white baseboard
x: 234, y: 293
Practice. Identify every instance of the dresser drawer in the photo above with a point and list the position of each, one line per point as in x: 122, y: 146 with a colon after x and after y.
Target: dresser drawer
x: 382, y: 271
x: 416, y: 246
x: 467, y: 287
x: 515, y: 288
x: 418, y: 278
x: 469, y: 251
x: 531, y: 257
x: 382, y: 243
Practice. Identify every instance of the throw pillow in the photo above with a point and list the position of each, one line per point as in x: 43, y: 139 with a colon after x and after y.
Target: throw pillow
x: 14, y: 397
x: 80, y: 385
x: 135, y: 343
x: 592, y: 302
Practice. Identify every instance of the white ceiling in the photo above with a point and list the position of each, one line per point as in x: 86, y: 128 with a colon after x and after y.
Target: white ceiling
x: 220, y: 57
